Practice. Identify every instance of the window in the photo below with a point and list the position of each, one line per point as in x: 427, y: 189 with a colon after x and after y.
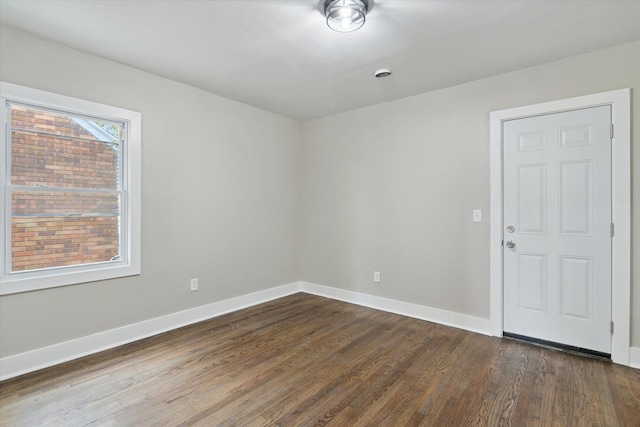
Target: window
x: 70, y: 175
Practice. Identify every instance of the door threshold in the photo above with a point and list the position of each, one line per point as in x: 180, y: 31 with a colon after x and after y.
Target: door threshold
x: 557, y: 346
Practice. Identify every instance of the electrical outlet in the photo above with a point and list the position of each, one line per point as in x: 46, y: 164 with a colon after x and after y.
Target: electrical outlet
x: 376, y: 276
x: 194, y: 284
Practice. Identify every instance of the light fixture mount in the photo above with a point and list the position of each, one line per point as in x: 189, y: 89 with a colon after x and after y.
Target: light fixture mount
x: 345, y: 15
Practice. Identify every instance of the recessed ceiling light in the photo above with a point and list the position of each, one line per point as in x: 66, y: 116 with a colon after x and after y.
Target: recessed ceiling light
x: 382, y: 73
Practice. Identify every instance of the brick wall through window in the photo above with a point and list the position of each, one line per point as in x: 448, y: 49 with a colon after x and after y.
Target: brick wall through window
x: 50, y: 227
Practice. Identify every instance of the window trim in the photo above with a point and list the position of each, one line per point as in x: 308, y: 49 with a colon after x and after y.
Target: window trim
x: 131, y: 169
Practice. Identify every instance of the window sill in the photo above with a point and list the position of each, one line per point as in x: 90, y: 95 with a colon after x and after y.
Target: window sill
x: 36, y: 280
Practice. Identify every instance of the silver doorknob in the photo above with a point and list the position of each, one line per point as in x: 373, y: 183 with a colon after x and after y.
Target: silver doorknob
x: 511, y: 244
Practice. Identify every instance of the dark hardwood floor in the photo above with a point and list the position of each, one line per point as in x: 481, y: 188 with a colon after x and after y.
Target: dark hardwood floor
x: 307, y: 360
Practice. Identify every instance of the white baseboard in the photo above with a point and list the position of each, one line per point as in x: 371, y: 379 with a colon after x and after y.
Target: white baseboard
x: 443, y: 317
x: 634, y: 357
x: 22, y: 363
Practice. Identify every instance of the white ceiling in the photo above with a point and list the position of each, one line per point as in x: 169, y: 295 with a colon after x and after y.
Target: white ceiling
x: 279, y: 55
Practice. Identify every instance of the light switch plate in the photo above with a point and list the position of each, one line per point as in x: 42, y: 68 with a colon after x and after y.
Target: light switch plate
x: 477, y: 215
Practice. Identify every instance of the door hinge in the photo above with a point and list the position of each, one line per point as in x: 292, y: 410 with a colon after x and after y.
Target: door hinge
x: 612, y: 229
x: 611, y: 131
x: 612, y: 327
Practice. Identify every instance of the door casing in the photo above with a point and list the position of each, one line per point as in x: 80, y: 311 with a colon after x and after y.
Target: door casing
x: 620, y: 102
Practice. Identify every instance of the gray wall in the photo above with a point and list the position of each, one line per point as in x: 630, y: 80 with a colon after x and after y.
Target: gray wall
x: 219, y: 198
x: 392, y: 187
x: 248, y: 200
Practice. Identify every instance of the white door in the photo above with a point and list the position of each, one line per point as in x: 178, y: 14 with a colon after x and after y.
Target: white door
x: 557, y: 228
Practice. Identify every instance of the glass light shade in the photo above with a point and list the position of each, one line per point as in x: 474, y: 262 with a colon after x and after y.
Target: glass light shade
x: 345, y: 15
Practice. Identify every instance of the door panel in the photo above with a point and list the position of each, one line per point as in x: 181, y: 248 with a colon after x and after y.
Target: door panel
x: 576, y: 197
x: 532, y: 282
x: 576, y: 292
x: 557, y: 216
x: 532, y: 200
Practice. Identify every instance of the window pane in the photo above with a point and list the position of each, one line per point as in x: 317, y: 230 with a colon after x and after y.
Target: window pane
x: 54, y: 229
x: 57, y: 150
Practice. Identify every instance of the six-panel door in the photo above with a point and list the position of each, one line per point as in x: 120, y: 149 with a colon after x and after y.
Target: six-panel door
x: 557, y: 220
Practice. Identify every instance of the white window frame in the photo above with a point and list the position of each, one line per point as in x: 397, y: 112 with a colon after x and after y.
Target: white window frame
x: 131, y: 162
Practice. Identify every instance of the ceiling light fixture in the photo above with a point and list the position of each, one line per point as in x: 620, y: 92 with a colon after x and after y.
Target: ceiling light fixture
x: 345, y: 15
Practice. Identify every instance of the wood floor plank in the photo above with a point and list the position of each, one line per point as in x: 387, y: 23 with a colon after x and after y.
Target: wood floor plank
x: 624, y: 386
x: 537, y: 392
x: 304, y: 360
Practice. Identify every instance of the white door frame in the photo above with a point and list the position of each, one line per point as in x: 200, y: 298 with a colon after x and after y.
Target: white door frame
x: 620, y: 101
